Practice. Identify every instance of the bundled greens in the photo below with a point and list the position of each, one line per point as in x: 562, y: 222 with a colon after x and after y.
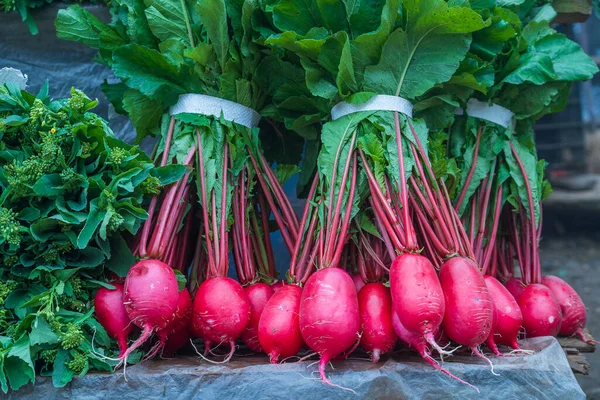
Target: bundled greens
x: 71, y: 194
x: 166, y: 53
x: 530, y: 78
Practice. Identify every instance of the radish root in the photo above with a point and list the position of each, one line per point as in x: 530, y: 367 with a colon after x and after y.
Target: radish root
x: 479, y: 354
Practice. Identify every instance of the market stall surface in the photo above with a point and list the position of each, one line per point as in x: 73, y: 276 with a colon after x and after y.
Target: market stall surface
x: 545, y: 374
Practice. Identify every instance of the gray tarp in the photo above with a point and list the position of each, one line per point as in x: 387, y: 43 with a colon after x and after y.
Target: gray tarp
x: 544, y: 375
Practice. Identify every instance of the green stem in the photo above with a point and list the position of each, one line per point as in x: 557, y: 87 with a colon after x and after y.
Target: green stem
x: 187, y: 23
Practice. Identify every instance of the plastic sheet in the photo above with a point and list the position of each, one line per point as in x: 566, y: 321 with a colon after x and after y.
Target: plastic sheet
x: 64, y: 63
x: 544, y: 375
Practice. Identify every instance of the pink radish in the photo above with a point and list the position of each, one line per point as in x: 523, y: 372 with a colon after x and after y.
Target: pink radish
x: 417, y: 296
x: 180, y: 321
x: 150, y: 298
x: 329, y: 317
x: 509, y: 317
x: 515, y: 286
x: 541, y: 311
x: 221, y: 310
x: 375, y: 306
x: 278, y: 328
x: 490, y: 341
x: 277, y: 285
x: 195, y: 330
x: 573, y: 311
x: 258, y: 295
x: 110, y: 312
x: 418, y: 343
x: 469, y: 314
x: 359, y: 283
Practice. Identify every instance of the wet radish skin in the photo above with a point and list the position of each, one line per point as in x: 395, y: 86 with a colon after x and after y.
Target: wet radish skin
x: 508, y: 312
x: 258, y: 295
x: 358, y: 282
x: 572, y: 308
x: 150, y: 294
x: 110, y: 312
x: 515, y: 286
x: 279, y: 327
x: 469, y: 313
x: 541, y: 311
x: 375, y: 306
x: 221, y: 309
x: 417, y: 295
x: 329, y: 316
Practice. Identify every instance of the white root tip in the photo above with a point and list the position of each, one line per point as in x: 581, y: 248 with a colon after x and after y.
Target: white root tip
x: 479, y: 354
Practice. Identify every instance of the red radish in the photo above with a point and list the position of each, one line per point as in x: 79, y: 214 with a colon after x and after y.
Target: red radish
x: 329, y: 317
x: 195, y: 330
x: 515, y: 286
x: 222, y: 310
x: 573, y: 310
x: 180, y: 321
x: 508, y: 313
x: 418, y: 343
x: 258, y: 295
x: 490, y: 341
x: 277, y: 285
x: 150, y: 298
x: 111, y: 314
x: 469, y: 314
x: 417, y: 296
x: 278, y: 328
x: 176, y: 341
x: 359, y: 283
x: 541, y: 311
x: 375, y: 306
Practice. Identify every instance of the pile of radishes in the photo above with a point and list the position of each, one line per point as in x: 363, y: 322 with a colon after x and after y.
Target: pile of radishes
x: 415, y: 278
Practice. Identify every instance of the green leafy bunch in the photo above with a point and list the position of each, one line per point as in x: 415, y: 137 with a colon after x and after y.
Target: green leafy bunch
x: 352, y: 50
x: 523, y: 64
x: 164, y: 48
x: 47, y: 327
x: 71, y: 192
x: 70, y: 196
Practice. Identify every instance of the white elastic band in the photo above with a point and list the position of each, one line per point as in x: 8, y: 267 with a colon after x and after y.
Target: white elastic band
x: 209, y: 105
x: 381, y: 102
x: 494, y: 113
x: 13, y: 75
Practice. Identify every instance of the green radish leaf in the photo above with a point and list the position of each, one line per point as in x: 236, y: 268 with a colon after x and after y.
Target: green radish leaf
x: 61, y: 374
x: 212, y: 14
x: 18, y: 365
x: 283, y: 172
x: 79, y: 25
x: 121, y: 259
x: 297, y: 15
x: 427, y: 52
x: 167, y: 20
x: 181, y: 280
x: 41, y: 333
x: 147, y: 71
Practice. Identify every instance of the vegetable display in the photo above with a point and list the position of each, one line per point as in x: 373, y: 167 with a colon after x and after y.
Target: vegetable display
x: 423, y: 188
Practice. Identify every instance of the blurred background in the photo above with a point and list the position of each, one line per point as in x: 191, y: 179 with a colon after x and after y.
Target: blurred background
x: 568, y: 141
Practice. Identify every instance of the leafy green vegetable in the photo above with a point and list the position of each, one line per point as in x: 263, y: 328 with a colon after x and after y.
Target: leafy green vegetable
x: 71, y: 194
